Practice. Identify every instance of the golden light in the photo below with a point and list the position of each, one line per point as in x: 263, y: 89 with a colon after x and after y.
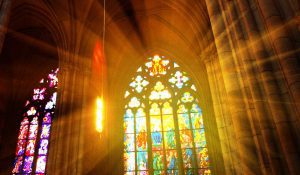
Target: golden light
x: 99, y: 115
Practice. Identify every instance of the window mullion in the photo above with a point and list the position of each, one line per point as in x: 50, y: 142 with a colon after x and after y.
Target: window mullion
x: 195, y: 163
x: 163, y: 140
x: 135, y: 142
x: 149, y: 140
x: 25, y: 146
x: 177, y: 137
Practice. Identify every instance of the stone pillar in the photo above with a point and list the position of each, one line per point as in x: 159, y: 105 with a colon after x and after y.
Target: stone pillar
x: 280, y: 113
x: 283, y: 47
x: 261, y: 115
x: 5, y: 6
x: 223, y: 119
x: 65, y: 151
x: 244, y: 137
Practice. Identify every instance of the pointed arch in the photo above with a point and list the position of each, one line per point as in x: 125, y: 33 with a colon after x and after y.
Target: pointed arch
x: 163, y: 125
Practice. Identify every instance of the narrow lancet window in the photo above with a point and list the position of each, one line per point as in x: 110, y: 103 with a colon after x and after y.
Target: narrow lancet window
x: 34, y: 134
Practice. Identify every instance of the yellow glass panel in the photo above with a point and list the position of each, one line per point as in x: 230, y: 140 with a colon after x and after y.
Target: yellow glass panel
x: 154, y: 109
x: 155, y: 122
x: 168, y: 122
x: 167, y: 109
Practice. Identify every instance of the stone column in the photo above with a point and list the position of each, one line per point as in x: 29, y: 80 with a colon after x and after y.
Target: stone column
x: 65, y: 151
x: 223, y: 119
x: 57, y: 163
x: 244, y: 137
x: 280, y: 113
x: 283, y: 47
x: 261, y: 115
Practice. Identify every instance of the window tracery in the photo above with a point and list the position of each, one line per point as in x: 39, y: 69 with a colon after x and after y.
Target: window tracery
x: 163, y: 125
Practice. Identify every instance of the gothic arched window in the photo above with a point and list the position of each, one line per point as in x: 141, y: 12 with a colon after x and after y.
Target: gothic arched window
x: 163, y: 125
x: 34, y: 134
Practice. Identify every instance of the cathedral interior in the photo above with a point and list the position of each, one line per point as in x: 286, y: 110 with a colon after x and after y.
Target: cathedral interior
x: 150, y: 87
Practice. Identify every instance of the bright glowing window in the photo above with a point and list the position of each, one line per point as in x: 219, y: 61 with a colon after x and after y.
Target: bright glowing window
x: 34, y: 134
x: 163, y: 124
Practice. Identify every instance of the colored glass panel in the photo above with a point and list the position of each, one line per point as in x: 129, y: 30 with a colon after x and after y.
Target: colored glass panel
x: 129, y: 161
x: 172, y: 160
x: 182, y: 109
x: 25, y: 121
x: 169, y: 139
x: 186, y: 139
x: 30, y: 148
x: 157, y: 66
x: 45, y: 131
x: 33, y: 131
x: 183, y: 121
x: 187, y: 155
x: 18, y: 165
x: 31, y: 111
x: 168, y: 122
x: 27, y: 167
x: 187, y: 97
x: 199, y: 138
x: 204, y: 172
x: 139, y: 83
x: 193, y: 87
x: 156, y: 141
x: 195, y: 108
x: 134, y: 102
x: 197, y: 120
x: 39, y: 94
x: 53, y: 79
x: 141, y: 124
x: 20, y: 147
x: 189, y: 172
x: 155, y: 110
x: 129, y: 142
x: 202, y: 157
x: 141, y: 141
x: 43, y: 149
x: 158, y: 160
x: 167, y: 109
x: 129, y: 113
x: 178, y: 79
x: 50, y: 104
x: 47, y: 118
x: 142, y: 172
x: 158, y: 172
x: 155, y: 122
x: 129, y: 125
x: 23, y: 132
x: 142, y: 160
x: 41, y: 164
x: 140, y: 113
x: 126, y: 94
x: 159, y: 92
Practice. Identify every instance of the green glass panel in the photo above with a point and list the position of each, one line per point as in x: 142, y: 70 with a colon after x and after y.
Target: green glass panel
x: 169, y: 138
x: 158, y: 160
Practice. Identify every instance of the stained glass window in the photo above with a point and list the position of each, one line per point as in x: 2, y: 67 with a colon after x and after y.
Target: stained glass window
x: 34, y: 134
x: 163, y: 125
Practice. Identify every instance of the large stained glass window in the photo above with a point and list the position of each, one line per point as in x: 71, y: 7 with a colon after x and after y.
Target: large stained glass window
x: 163, y: 124
x: 33, y: 139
